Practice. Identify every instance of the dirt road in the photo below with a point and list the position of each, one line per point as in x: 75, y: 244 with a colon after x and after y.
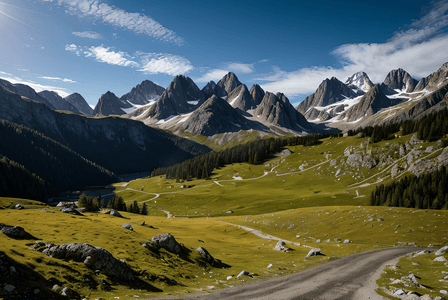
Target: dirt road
x: 350, y: 277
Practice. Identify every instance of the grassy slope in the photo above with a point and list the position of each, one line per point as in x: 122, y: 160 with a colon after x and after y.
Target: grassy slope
x: 319, y: 205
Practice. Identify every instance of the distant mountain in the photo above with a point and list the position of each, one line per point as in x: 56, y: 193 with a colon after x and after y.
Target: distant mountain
x: 58, y: 101
x: 433, y: 81
x: 359, y: 82
x: 240, y: 98
x: 257, y: 93
x: 215, y: 116
x: 117, y: 144
x: 227, y: 84
x: 80, y: 103
x: 372, y: 102
x: 109, y: 104
x: 276, y: 110
x: 143, y: 93
x: 25, y: 91
x: 181, y: 96
x: 329, y: 92
x: 400, y: 80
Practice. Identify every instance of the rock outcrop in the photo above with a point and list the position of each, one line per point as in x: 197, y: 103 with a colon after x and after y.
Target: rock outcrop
x: 400, y: 80
x: 16, y: 232
x: 58, y: 102
x: 95, y: 258
x: 168, y: 242
x: 80, y: 103
x: 109, y: 104
x: 143, y: 93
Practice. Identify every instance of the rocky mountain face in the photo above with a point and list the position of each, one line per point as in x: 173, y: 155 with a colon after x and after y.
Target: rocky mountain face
x: 215, y: 116
x: 80, y: 103
x: 240, y: 98
x: 372, y: 102
x: 143, y: 93
x: 257, y: 93
x: 227, y: 84
x: 329, y: 92
x: 276, y: 110
x: 58, y: 102
x: 101, y: 140
x: 181, y: 96
x: 109, y: 104
x: 359, y: 82
x: 433, y: 81
x: 25, y: 91
x: 400, y: 80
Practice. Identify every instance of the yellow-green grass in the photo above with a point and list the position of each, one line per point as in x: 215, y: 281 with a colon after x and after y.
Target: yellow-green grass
x: 428, y: 272
x: 6, y: 202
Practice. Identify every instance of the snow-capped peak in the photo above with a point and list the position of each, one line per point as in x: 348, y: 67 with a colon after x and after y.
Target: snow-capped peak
x: 359, y: 80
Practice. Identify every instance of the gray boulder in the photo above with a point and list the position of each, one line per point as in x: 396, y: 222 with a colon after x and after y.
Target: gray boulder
x: 441, y: 251
x: 115, y: 214
x: 205, y: 255
x: 242, y: 273
x: 368, y: 162
x: 313, y: 252
x: 127, y: 226
x: 71, y: 210
x: 280, y: 246
x: 18, y: 206
x: 168, y: 242
x: 15, y: 232
x: 354, y: 159
x: 443, y: 157
x: 95, y: 258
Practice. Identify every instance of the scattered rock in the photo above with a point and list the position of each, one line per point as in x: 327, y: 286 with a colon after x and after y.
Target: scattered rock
x: 314, y: 252
x: 440, y: 258
x: 354, y: 159
x: 66, y: 291
x: 368, y: 162
x: 127, y: 226
x: 95, y: 258
x: 206, y: 256
x: 443, y: 292
x: 421, y: 166
x: 285, y: 153
x: 349, y: 150
x: 168, y: 242
x: 115, y: 214
x: 229, y: 277
x: 242, y: 273
x: 9, y: 288
x: 280, y: 246
x: 399, y: 292
x: 443, y: 157
x: 18, y: 206
x: 269, y: 266
x: 346, y: 241
x: 441, y: 251
x: 71, y: 210
x: 229, y: 212
x: 333, y: 162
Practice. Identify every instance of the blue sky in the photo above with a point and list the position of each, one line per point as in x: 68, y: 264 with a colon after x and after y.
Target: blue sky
x: 95, y: 46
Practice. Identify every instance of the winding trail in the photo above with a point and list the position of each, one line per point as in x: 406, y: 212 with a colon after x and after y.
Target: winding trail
x: 350, y: 277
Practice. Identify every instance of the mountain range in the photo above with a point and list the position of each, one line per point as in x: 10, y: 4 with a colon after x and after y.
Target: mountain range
x: 358, y: 102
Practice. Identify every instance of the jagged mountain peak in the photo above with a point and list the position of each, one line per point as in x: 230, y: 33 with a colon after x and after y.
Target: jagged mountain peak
x: 241, y: 98
x: 227, y: 84
x: 359, y: 81
x: 399, y: 79
x: 143, y: 93
x: 257, y: 93
x: 58, y: 102
x: 434, y: 80
x: 80, y: 103
x: 110, y: 104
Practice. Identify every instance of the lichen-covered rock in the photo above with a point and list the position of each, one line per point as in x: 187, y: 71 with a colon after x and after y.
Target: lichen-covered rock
x: 349, y: 150
x: 333, y: 162
x: 354, y: 160
x: 127, y: 226
x: 168, y: 242
x: 71, y: 210
x: 443, y: 157
x: 95, y: 258
x: 368, y: 162
x: 421, y: 166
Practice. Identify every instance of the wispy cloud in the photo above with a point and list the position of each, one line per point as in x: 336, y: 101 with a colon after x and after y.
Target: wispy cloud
x: 58, y: 78
x: 215, y: 74
x: 241, y: 68
x: 154, y: 63
x: 88, y: 34
x: 420, y: 49
x: 105, y: 55
x: 148, y: 63
x: 135, y: 22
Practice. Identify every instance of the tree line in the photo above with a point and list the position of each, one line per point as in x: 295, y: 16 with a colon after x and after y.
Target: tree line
x: 256, y: 152
x: 94, y: 204
x: 428, y: 128
x: 428, y: 191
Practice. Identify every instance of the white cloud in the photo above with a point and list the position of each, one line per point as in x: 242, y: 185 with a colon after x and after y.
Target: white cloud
x: 215, y: 74
x: 73, y: 48
x: 154, y: 63
x: 135, y: 22
x: 108, y: 56
x: 88, y: 34
x: 241, y: 68
x: 420, y: 50
x: 58, y: 78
